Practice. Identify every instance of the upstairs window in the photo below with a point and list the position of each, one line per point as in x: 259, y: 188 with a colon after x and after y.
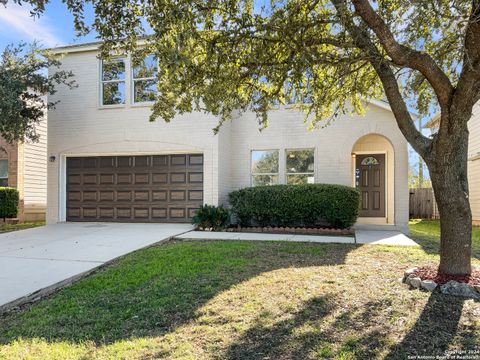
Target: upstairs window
x: 3, y: 172
x: 264, y: 167
x: 145, y: 79
x: 113, y: 81
x: 300, y: 166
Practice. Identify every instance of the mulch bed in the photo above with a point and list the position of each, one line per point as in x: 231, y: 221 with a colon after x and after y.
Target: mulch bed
x: 294, y: 230
x: 430, y: 272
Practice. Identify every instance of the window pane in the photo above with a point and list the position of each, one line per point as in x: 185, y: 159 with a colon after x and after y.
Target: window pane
x: 4, y: 182
x: 145, y: 90
x: 3, y: 169
x: 145, y: 68
x: 300, y: 161
x: 259, y: 180
x: 113, y: 70
x: 114, y: 93
x: 264, y: 161
x: 300, y: 179
x: 370, y: 161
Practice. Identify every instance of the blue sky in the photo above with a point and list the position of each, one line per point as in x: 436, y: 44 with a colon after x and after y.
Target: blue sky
x: 54, y: 28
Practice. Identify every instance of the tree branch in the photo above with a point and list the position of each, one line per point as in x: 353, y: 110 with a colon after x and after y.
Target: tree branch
x: 468, y: 87
x: 404, y: 120
x: 403, y: 55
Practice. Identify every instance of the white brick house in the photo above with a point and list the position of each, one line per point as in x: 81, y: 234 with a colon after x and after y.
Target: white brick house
x: 108, y: 162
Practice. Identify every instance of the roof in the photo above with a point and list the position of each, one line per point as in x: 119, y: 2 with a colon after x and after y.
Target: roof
x: 433, y: 122
x: 89, y: 46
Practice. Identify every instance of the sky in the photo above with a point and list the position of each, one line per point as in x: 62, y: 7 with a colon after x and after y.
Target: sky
x: 55, y: 28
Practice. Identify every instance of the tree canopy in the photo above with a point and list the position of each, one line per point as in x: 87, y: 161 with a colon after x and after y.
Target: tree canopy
x: 24, y: 84
x: 220, y: 55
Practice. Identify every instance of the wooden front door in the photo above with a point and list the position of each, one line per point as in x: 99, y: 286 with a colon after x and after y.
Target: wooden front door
x: 370, y: 180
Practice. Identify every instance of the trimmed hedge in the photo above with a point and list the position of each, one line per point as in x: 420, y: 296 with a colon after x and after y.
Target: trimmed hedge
x: 296, y: 205
x: 8, y: 202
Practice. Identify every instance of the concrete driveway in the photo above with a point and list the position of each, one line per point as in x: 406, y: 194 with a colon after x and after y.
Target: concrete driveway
x: 47, y: 257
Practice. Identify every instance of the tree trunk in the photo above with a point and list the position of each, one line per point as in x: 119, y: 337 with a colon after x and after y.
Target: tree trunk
x: 450, y: 183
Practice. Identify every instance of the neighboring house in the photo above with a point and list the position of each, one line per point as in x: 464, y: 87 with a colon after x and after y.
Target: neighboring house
x: 24, y: 166
x: 109, y: 163
x: 473, y: 159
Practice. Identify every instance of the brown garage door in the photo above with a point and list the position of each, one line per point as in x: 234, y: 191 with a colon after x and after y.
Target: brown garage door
x: 158, y: 188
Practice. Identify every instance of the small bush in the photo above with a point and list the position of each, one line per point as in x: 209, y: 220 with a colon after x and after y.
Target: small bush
x: 8, y: 202
x: 210, y: 217
x: 296, y: 205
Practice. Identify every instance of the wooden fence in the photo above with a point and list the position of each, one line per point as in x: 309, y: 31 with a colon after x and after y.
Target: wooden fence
x: 423, y: 204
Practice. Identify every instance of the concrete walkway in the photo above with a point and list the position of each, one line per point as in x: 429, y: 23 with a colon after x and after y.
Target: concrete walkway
x: 383, y: 237
x: 212, y: 235
x: 47, y: 257
x: 374, y: 237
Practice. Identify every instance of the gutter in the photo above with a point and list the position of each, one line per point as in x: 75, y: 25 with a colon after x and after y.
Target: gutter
x: 475, y: 157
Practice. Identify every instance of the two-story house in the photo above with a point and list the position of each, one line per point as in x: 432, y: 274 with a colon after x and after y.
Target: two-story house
x: 107, y: 162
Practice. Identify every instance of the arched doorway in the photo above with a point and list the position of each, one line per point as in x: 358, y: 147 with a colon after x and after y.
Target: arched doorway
x: 373, y: 159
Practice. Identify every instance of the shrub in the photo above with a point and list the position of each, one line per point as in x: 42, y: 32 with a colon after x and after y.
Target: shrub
x: 210, y: 217
x: 8, y: 202
x: 296, y: 205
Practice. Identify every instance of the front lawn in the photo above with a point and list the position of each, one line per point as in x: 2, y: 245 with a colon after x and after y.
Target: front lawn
x: 245, y: 300
x: 4, y: 228
x: 427, y: 234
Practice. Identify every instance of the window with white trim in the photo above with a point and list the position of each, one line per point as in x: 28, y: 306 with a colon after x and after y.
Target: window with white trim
x: 264, y: 169
x: 144, y: 77
x: 113, y: 81
x: 300, y: 166
x: 3, y: 172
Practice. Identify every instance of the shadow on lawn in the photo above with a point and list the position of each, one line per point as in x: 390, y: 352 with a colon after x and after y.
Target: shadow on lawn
x: 143, y: 296
x: 433, y: 332
x: 308, y: 336
x: 360, y: 333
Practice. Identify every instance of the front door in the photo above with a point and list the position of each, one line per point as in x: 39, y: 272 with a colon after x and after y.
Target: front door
x: 370, y: 180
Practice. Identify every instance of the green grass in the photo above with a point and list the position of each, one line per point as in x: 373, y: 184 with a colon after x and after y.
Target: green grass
x: 4, y: 228
x: 427, y: 234
x: 245, y: 300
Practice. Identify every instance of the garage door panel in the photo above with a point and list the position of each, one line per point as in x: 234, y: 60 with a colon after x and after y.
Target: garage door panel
x: 107, y: 195
x: 178, y: 160
x: 124, y: 161
x: 89, y: 196
x: 159, y: 188
x: 142, y: 161
x: 160, y: 178
x: 107, y: 162
x: 107, y: 179
x: 195, y: 160
x: 195, y: 178
x: 160, y: 161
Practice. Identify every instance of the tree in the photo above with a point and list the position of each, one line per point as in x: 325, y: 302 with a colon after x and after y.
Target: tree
x: 24, y: 84
x: 222, y: 55
x: 416, y: 167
